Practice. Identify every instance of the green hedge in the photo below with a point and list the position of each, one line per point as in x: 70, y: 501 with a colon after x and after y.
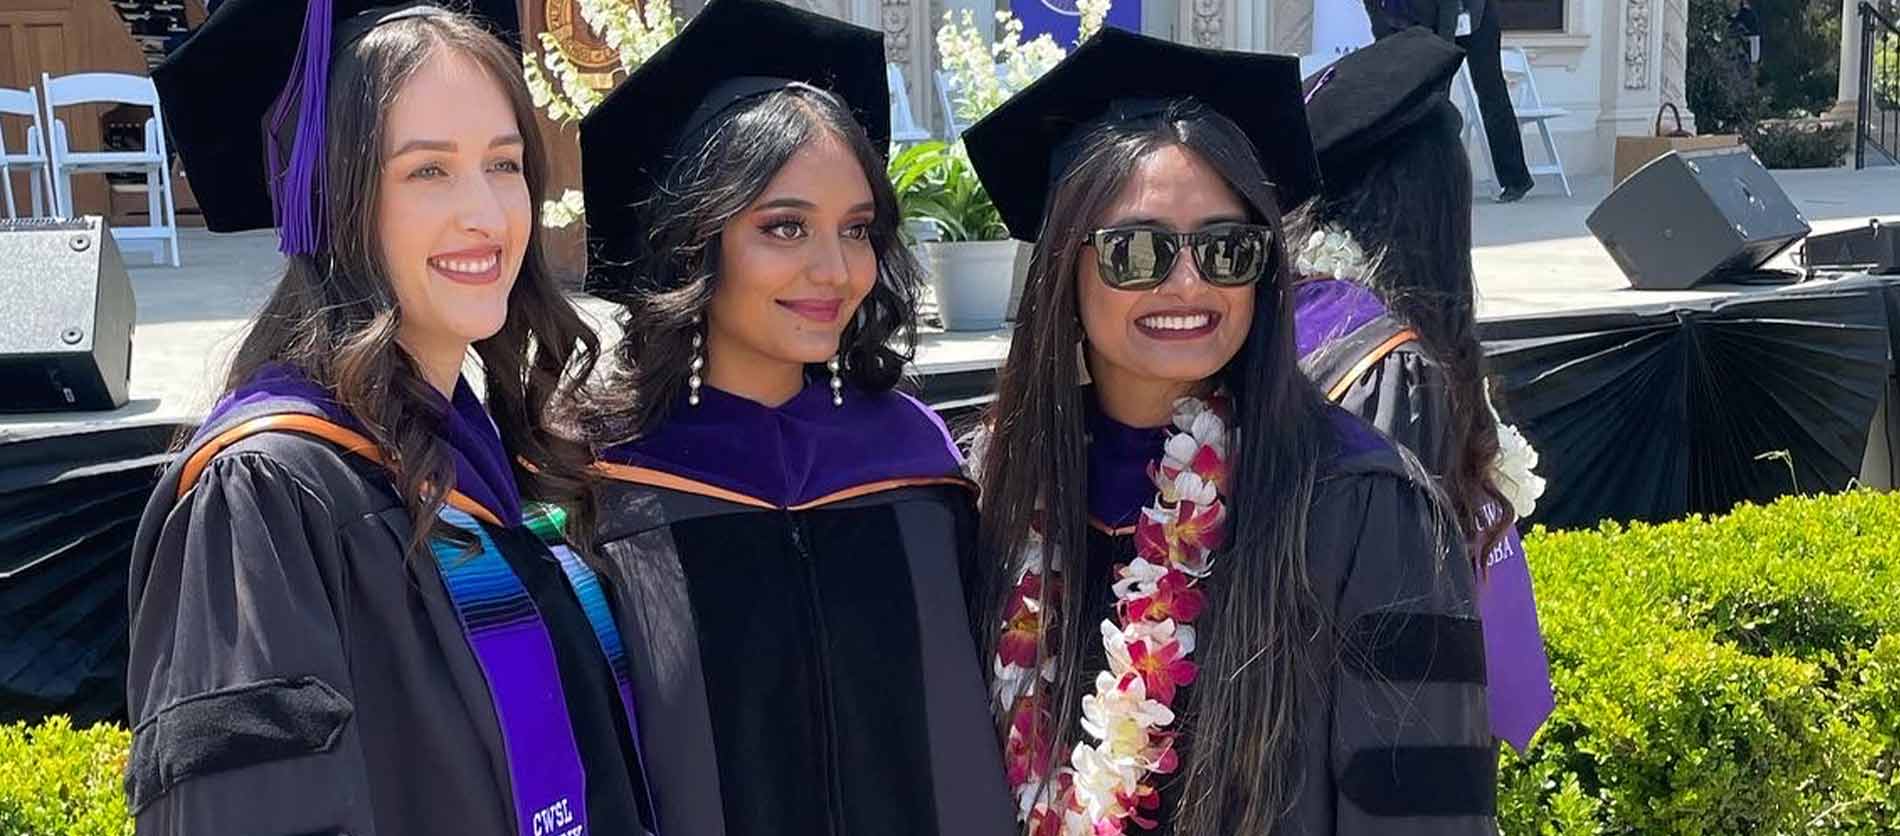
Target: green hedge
x: 56, y: 780
x: 1738, y: 675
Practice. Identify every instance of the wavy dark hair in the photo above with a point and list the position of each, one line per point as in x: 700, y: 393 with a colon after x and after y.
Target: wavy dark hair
x: 1257, y: 662
x: 334, y: 315
x: 1410, y: 207
x: 711, y: 183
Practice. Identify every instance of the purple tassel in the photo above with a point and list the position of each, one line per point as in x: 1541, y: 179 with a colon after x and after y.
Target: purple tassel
x: 295, y: 192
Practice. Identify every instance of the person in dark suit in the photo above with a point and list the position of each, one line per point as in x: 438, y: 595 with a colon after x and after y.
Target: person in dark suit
x: 1487, y: 74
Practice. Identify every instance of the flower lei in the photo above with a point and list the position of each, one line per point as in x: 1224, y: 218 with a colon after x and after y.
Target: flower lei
x: 1514, y: 471
x: 1331, y: 253
x: 1098, y: 787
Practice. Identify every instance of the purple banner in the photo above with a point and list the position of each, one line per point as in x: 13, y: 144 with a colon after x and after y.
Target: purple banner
x: 1060, y: 19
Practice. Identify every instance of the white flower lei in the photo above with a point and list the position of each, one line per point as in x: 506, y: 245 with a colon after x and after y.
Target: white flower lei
x: 1099, y: 787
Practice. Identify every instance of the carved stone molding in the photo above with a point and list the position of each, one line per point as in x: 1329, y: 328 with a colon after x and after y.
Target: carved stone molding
x: 896, y: 15
x: 1208, y: 26
x: 1636, y: 16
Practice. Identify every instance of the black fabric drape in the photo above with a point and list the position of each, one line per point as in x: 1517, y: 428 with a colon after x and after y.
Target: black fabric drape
x: 1654, y: 413
x: 69, y: 504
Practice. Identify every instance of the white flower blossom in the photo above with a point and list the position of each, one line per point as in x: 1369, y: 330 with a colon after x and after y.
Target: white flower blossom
x: 1180, y: 449
x: 1515, y: 469
x: 1186, y: 410
x: 571, y: 207
x: 1331, y: 253
x: 1094, y: 14
x: 1139, y: 578
x: 1122, y: 719
x: 1101, y: 779
x: 984, y: 73
x: 1190, y: 487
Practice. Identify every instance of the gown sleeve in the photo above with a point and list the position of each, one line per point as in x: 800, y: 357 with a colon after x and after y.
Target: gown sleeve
x: 239, y: 690
x: 1406, y: 397
x: 1411, y: 747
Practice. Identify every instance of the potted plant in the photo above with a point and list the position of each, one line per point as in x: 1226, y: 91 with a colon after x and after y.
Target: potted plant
x: 975, y: 270
x: 966, y: 247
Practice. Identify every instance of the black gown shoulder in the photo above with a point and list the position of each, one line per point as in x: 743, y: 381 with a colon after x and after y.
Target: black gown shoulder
x: 292, y: 668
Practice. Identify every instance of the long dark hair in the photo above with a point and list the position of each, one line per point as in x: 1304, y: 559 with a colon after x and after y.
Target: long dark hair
x: 1256, y: 663
x: 1410, y: 208
x: 709, y: 185
x: 334, y: 315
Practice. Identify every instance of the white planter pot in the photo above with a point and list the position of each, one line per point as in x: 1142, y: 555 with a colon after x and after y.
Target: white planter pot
x: 972, y: 280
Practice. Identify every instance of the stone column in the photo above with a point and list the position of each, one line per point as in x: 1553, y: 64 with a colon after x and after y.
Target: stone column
x: 1847, y: 95
x: 1672, y: 81
x: 1630, y: 88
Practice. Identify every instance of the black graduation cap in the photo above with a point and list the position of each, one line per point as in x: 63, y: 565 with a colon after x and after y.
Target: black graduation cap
x: 1015, y: 147
x: 1654, y: 413
x: 732, y: 51
x: 220, y: 87
x: 1377, y: 92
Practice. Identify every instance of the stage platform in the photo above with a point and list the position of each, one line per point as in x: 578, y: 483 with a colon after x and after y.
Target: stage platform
x: 1533, y: 257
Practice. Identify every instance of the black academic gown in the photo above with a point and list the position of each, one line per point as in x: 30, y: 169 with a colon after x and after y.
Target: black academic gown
x: 293, y: 672
x: 1405, y: 395
x: 806, y: 668
x: 1394, y: 740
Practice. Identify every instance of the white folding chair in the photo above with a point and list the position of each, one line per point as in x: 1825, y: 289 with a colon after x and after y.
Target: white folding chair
x: 31, y: 159
x: 151, y: 160
x: 904, y: 126
x: 1529, y: 107
x: 947, y: 98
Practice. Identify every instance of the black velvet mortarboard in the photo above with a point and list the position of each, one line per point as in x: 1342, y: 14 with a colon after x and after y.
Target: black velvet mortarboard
x: 220, y: 86
x: 1021, y: 147
x: 1375, y: 93
x: 732, y: 51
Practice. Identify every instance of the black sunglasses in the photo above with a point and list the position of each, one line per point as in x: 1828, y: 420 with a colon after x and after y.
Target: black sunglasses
x: 1140, y: 257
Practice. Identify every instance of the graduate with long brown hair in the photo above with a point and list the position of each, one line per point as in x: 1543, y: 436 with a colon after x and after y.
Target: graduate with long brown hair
x: 1219, y: 605
x: 353, y: 609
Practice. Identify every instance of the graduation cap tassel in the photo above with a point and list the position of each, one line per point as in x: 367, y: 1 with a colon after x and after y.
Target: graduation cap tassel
x: 294, y: 180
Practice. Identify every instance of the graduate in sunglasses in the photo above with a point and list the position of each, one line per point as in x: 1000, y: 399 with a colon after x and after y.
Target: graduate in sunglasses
x: 1218, y: 605
x: 1385, y: 323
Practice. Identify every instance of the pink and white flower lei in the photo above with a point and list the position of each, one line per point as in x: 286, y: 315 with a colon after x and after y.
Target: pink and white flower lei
x: 1105, y: 781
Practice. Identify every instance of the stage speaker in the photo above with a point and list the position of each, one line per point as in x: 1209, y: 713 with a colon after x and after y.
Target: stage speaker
x: 1874, y: 248
x: 65, y: 316
x: 1692, y: 217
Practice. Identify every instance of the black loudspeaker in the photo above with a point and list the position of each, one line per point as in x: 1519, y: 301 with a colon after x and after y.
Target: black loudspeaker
x: 1689, y: 218
x: 65, y: 316
x: 1874, y: 248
